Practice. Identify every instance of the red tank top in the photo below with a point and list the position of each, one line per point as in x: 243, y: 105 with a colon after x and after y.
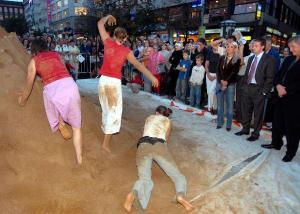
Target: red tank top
x: 50, y: 67
x: 114, y: 58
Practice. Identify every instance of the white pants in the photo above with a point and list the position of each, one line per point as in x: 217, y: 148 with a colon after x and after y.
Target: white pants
x: 211, y: 92
x: 110, y: 97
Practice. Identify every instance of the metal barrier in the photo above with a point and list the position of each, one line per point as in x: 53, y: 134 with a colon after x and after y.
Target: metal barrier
x: 90, y: 66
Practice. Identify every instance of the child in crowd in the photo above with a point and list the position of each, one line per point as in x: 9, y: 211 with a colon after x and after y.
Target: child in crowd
x: 136, y: 83
x: 196, y: 81
x: 184, y: 69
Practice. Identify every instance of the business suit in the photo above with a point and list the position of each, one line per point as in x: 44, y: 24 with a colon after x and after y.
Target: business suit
x: 286, y: 120
x: 253, y: 94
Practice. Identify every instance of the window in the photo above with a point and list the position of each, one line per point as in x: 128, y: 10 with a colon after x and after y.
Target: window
x: 21, y: 11
x: 10, y: 9
x: 1, y: 17
x: 65, y: 13
x: 245, y: 8
x: 65, y: 2
x: 58, y: 5
x: 76, y: 1
x: 80, y: 11
x: 16, y: 10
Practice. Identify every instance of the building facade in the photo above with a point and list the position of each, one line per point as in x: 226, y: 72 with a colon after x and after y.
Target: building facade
x: 253, y: 18
x: 80, y: 15
x: 9, y: 9
x: 279, y: 18
x: 36, y: 14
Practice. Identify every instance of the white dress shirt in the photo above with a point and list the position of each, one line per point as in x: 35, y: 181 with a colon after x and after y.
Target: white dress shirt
x: 253, y: 81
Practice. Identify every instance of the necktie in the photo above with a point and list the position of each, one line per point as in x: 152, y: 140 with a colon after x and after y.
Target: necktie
x: 252, y: 71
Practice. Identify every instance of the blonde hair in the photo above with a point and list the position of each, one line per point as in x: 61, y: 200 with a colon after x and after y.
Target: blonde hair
x: 236, y: 55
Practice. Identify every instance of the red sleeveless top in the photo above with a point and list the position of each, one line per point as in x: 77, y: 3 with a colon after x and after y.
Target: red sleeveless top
x: 50, y: 67
x: 114, y: 57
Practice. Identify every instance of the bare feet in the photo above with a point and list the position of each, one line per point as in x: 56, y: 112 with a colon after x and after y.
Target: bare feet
x: 64, y: 131
x: 79, y: 159
x: 129, y: 202
x: 185, y: 203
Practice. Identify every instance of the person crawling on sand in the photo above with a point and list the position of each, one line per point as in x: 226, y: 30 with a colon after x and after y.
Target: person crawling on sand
x: 153, y: 147
x: 110, y: 93
x: 60, y: 93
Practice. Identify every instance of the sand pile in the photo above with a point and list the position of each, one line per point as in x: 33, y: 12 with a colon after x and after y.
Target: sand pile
x: 38, y: 173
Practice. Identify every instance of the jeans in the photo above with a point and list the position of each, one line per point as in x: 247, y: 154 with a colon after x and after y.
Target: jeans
x: 181, y: 89
x: 225, y: 96
x: 195, y: 95
x: 146, y: 154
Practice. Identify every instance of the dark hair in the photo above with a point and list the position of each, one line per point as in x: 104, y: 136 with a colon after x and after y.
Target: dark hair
x: 186, y: 52
x: 261, y: 41
x: 200, y: 56
x: 38, y: 45
x: 120, y: 33
x: 163, y: 110
x: 202, y: 40
x: 267, y: 38
x: 232, y: 37
x: 215, y: 39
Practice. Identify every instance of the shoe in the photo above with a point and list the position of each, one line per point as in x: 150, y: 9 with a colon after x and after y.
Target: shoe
x: 218, y: 127
x: 287, y: 158
x: 240, y: 133
x: 252, y: 138
x: 270, y: 146
x: 228, y: 129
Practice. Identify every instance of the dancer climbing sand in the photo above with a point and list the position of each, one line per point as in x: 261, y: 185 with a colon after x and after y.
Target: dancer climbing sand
x: 153, y: 147
x: 110, y: 90
x: 60, y: 93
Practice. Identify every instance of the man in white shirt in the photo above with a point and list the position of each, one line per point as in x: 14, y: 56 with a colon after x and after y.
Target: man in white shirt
x: 257, y: 83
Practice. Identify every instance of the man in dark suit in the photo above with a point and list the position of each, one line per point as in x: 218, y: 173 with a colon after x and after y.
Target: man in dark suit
x: 286, y: 120
x: 257, y: 83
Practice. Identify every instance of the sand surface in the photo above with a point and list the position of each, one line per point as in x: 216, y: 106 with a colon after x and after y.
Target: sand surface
x: 38, y: 172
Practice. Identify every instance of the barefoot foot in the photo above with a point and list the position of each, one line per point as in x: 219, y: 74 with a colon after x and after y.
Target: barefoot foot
x: 79, y: 159
x: 129, y: 202
x: 185, y: 203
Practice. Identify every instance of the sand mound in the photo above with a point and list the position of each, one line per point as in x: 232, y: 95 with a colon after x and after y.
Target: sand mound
x: 38, y: 173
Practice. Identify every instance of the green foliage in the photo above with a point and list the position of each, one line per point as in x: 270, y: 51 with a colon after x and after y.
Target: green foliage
x: 17, y: 25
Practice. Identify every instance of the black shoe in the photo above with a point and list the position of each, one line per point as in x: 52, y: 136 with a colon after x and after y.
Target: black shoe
x: 270, y: 146
x: 287, y: 158
x: 218, y: 127
x: 252, y: 138
x: 240, y: 133
x: 228, y: 129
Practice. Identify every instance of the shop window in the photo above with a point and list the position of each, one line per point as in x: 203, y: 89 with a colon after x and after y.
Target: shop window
x: 195, y: 14
x: 65, y: 13
x: 81, y: 11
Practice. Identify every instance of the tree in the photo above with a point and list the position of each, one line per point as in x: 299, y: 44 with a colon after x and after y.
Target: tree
x: 17, y: 25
